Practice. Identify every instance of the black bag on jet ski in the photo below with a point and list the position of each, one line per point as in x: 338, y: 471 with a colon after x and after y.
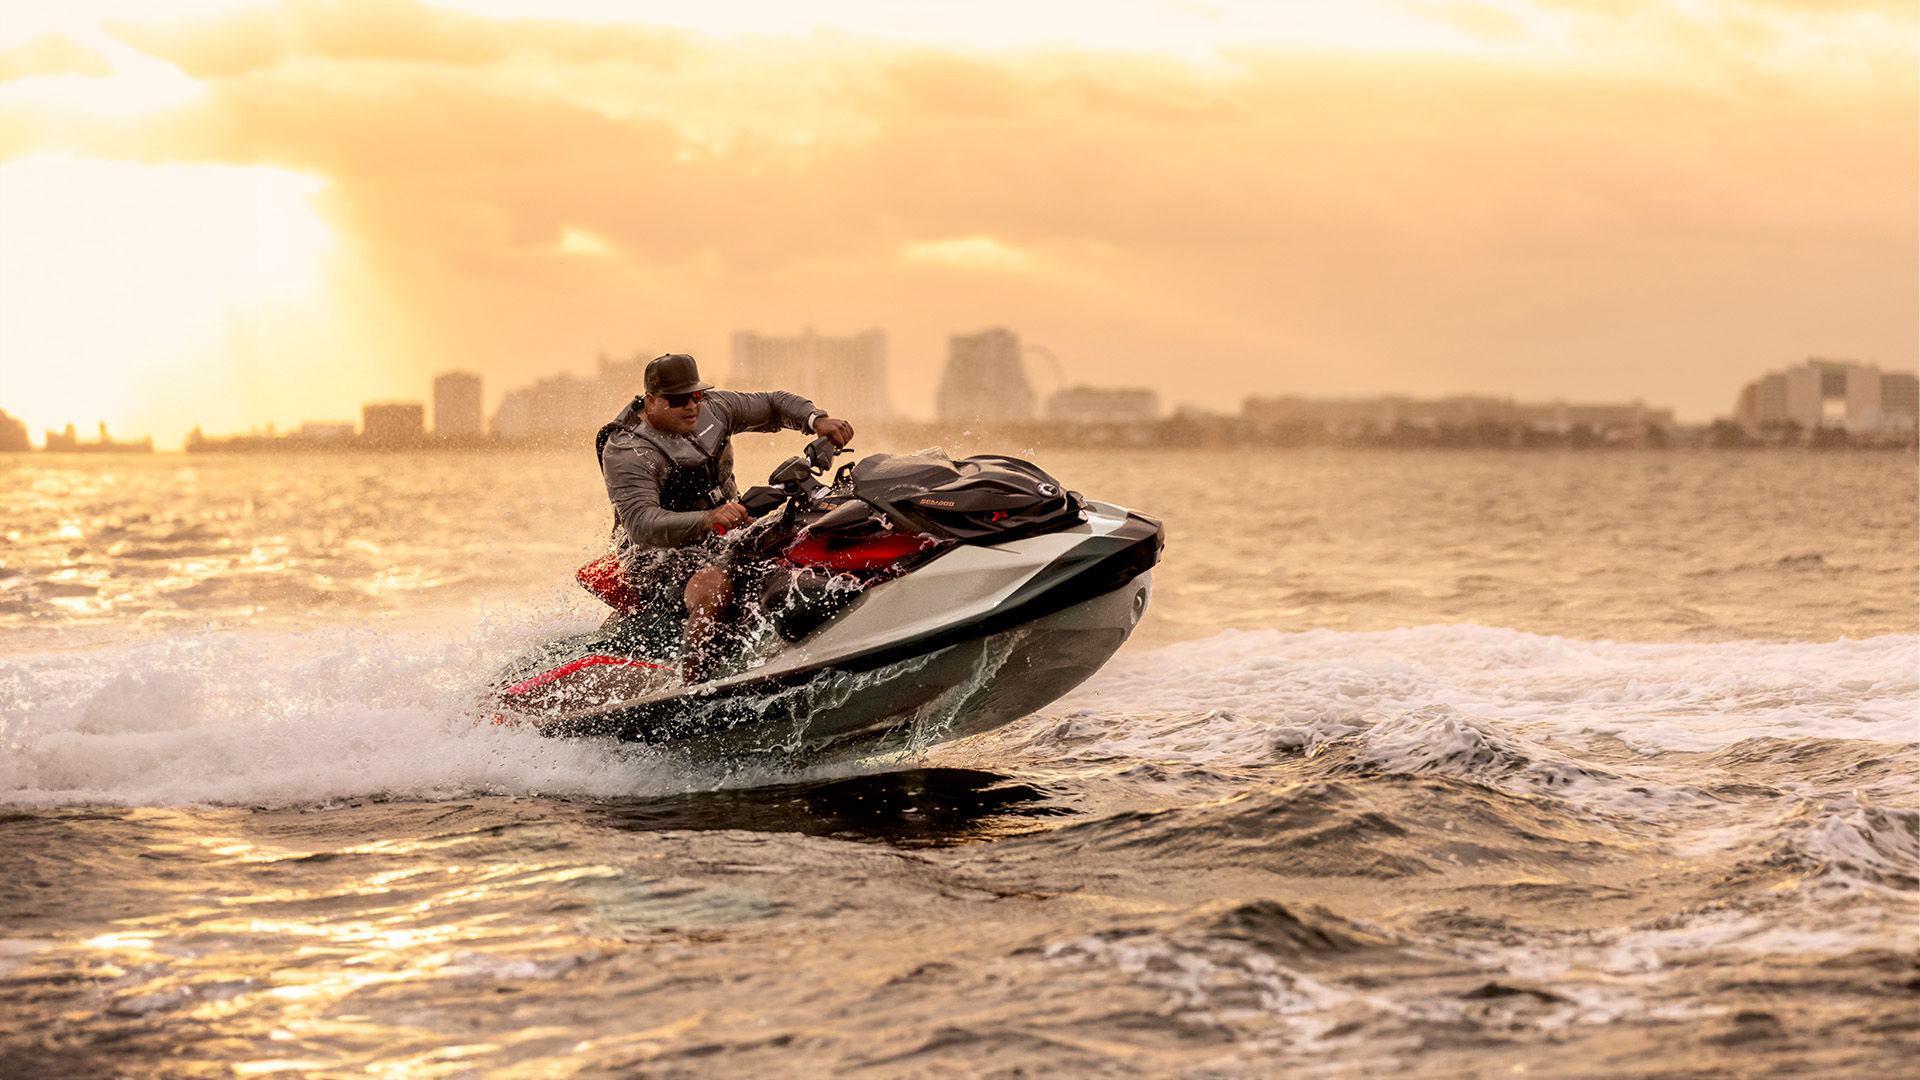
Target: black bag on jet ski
x: 974, y: 498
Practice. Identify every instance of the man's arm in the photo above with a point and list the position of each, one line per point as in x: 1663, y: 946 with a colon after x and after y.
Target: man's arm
x: 773, y: 410
x: 633, y: 485
x: 764, y: 410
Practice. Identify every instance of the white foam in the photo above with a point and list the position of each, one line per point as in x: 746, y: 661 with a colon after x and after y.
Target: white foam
x: 1834, y: 932
x: 1208, y: 978
x: 1856, y: 843
x: 292, y: 717
x: 1655, y: 698
x: 287, y: 718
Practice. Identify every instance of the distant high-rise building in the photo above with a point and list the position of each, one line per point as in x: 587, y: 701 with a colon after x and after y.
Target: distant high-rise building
x: 845, y: 375
x: 1824, y: 393
x: 324, y: 431
x: 1763, y: 401
x: 1098, y: 405
x: 984, y: 379
x: 556, y: 405
x: 566, y: 405
x: 456, y: 405
x: 514, y: 418
x: 13, y: 434
x: 1900, y: 400
x: 396, y: 423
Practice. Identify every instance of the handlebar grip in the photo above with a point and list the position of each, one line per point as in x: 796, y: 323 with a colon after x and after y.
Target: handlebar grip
x: 820, y: 453
x: 761, y: 500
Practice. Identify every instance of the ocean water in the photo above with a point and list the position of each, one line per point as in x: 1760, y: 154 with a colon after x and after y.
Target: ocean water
x: 1447, y: 765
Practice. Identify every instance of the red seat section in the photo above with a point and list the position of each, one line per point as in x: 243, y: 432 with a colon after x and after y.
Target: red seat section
x: 603, y: 578
x: 865, y: 553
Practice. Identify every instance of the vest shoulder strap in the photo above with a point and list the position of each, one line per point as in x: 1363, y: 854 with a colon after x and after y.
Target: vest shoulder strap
x: 710, y: 463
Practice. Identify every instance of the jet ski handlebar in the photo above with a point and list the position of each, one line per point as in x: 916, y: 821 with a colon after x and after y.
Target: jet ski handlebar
x: 792, y: 479
x: 819, y: 453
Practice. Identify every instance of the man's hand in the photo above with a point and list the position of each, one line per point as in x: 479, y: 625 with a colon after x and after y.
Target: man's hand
x: 835, y: 429
x: 722, y: 518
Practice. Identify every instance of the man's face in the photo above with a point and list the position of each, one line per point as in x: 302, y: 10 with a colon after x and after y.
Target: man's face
x: 675, y: 414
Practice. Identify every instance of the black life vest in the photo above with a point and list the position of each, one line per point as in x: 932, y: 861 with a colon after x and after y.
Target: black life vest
x: 687, y: 487
x: 691, y: 487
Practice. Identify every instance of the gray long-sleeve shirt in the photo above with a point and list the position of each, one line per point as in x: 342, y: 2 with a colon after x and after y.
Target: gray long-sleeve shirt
x: 638, y: 457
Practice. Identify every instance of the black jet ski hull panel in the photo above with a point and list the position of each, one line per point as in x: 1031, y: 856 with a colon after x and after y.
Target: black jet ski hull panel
x: 971, y: 686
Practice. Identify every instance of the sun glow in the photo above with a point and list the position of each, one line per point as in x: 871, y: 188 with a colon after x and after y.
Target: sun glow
x: 118, y: 278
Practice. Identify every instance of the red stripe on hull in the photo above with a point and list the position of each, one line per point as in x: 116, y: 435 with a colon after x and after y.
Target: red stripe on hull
x: 565, y: 670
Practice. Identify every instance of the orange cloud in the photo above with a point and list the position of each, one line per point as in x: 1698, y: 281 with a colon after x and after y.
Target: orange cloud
x: 232, y: 44
x: 51, y: 54
x: 1486, y: 22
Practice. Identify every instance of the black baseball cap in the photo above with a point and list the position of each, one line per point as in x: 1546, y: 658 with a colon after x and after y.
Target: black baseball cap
x: 674, y: 373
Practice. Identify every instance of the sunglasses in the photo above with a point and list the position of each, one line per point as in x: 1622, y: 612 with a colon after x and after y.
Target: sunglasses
x: 681, y: 401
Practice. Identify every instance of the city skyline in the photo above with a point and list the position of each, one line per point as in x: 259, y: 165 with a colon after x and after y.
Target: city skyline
x: 492, y: 401
x: 564, y: 402
x: 273, y: 210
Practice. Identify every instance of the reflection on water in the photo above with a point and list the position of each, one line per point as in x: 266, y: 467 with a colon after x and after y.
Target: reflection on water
x: 344, y: 937
x: 908, y: 808
x: 1636, y: 545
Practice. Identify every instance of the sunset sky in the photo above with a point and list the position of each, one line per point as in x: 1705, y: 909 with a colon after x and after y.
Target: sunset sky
x: 226, y: 213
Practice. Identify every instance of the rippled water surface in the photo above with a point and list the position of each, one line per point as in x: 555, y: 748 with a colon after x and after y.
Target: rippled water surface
x: 1458, y: 765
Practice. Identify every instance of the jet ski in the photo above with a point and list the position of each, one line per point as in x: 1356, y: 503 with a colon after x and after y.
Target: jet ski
x: 911, y: 600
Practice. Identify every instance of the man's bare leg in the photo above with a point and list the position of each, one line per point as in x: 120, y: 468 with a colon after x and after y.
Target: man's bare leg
x: 708, y: 595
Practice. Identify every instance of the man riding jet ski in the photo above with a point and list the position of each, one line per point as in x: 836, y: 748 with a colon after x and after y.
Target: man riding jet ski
x: 668, y: 464
x: 911, y: 600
